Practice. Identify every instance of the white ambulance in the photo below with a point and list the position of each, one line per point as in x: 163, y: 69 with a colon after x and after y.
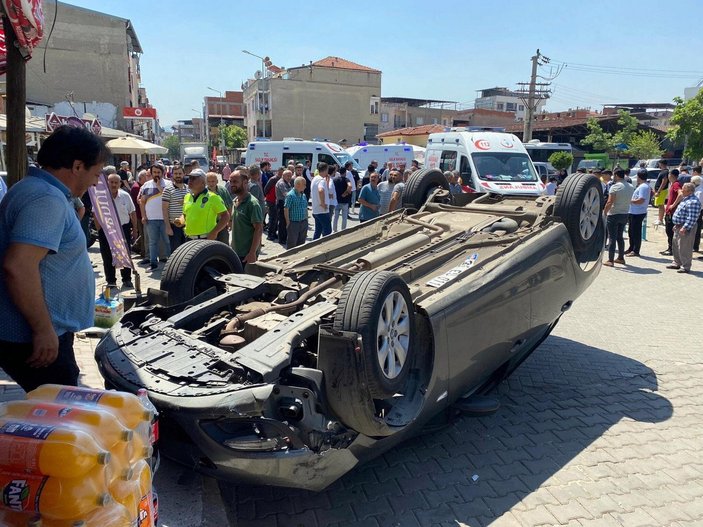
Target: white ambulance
x: 294, y: 150
x: 396, y: 154
x: 487, y: 161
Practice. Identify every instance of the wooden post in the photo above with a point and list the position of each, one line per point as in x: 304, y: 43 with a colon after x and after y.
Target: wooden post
x: 16, y: 102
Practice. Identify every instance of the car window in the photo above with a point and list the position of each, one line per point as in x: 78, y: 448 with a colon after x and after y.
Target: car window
x: 326, y: 158
x: 503, y: 166
x: 447, y: 161
x: 465, y: 171
x: 291, y: 157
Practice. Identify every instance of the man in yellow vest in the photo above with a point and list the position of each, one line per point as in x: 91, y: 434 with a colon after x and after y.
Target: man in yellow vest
x: 204, y: 212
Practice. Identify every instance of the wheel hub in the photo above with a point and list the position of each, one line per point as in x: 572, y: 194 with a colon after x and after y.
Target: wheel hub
x: 589, y: 214
x: 393, y: 336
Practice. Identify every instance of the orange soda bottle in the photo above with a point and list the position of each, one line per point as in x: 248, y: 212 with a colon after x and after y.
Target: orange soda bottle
x: 19, y: 519
x: 104, y: 427
x: 113, y: 515
x: 48, y: 450
x: 125, y: 406
x: 52, y: 497
x: 135, y: 494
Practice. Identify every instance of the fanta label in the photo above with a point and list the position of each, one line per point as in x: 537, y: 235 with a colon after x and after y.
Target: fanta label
x: 21, y: 493
x: 76, y: 396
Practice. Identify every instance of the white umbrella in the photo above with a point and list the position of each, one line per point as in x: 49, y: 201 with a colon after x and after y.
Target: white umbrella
x: 132, y: 145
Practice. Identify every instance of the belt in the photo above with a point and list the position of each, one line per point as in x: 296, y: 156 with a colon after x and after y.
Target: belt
x: 198, y: 237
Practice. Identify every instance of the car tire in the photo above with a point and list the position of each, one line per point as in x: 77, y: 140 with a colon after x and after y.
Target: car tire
x: 377, y: 305
x: 579, y: 204
x: 187, y: 271
x: 420, y: 184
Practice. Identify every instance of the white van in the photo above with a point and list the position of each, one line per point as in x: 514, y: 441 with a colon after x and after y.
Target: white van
x: 487, y: 161
x: 293, y: 150
x: 396, y: 154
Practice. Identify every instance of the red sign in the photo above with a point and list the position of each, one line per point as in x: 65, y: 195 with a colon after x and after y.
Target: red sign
x: 129, y: 112
x: 53, y: 121
x: 482, y: 144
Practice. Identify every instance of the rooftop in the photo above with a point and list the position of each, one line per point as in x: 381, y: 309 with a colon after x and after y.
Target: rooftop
x: 415, y: 130
x: 414, y: 102
x: 343, y: 64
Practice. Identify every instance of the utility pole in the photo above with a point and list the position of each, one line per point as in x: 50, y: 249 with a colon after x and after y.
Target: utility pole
x: 536, y: 91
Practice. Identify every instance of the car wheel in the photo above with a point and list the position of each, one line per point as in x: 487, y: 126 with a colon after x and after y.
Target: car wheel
x: 420, y: 184
x: 377, y: 305
x: 191, y: 268
x: 579, y: 204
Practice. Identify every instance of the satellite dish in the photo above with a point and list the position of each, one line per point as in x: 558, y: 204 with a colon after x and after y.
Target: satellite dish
x: 257, y: 75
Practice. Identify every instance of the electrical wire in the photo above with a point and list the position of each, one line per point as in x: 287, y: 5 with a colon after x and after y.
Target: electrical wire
x: 46, y: 46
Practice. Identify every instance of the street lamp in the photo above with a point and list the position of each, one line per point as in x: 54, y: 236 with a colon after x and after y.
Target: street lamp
x: 222, y: 130
x: 263, y: 74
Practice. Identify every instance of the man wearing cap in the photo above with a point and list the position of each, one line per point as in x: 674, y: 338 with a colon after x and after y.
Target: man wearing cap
x: 204, y: 211
x: 638, y: 212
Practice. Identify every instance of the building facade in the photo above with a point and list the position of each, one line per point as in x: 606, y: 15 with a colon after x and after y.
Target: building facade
x: 333, y: 98
x: 403, y: 112
x: 504, y: 100
x: 92, y: 59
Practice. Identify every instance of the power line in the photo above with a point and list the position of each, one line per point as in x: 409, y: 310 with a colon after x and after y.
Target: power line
x: 619, y: 68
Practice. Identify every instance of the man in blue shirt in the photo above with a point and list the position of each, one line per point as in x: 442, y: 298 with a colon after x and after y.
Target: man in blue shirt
x: 684, y: 221
x: 370, y: 199
x: 47, y: 286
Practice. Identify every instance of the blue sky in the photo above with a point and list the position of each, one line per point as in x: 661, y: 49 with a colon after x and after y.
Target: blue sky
x: 614, y: 51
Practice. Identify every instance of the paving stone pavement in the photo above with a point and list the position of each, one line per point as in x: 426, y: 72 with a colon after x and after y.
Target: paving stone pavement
x: 600, y: 426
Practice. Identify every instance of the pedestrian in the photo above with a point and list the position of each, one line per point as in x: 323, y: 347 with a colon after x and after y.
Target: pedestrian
x: 271, y: 224
x: 353, y: 177
x: 638, y: 213
x: 606, y: 178
x: 320, y: 207
x: 139, y: 244
x: 454, y: 185
x: 172, y: 204
x: 369, y: 199
x: 213, y: 185
x: 414, y: 166
x: 247, y: 219
x: 661, y: 189
x: 684, y: 176
x: 151, y: 206
x: 47, y: 285
x: 385, y: 190
x: 266, y: 172
x: 125, y: 176
x: 397, y: 196
x: 367, y: 175
x: 283, y: 187
x: 204, y: 211
x: 295, y: 212
x: 226, y: 172
x: 672, y: 201
x: 343, y: 191
x: 616, y: 209
x: 698, y: 192
x: 127, y: 215
x: 331, y: 192
x: 307, y: 172
x: 255, y: 187
x: 684, y: 218
x: 550, y: 188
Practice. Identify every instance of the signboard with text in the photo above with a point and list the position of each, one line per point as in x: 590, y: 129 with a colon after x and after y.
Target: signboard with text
x: 129, y: 112
x: 53, y: 121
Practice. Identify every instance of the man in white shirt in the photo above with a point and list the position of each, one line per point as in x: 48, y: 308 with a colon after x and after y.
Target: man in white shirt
x: 150, y: 204
x: 551, y: 187
x: 350, y: 177
x: 319, y: 194
x: 638, y: 212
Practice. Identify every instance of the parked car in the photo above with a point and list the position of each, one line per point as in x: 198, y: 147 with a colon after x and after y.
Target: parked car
x: 331, y: 353
x: 545, y: 169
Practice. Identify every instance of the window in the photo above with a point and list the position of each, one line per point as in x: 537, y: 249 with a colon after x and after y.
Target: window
x: 498, y: 166
x: 447, y: 161
x: 326, y: 158
x: 370, y: 132
x: 521, y: 107
x: 499, y: 106
x: 465, y: 171
x: 384, y: 117
x: 434, y: 120
x: 444, y: 122
x: 375, y: 103
x: 289, y: 157
x: 510, y: 107
x: 419, y: 121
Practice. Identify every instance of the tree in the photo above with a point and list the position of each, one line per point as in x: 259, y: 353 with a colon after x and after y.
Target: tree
x: 598, y: 138
x: 645, y: 145
x: 174, y: 146
x: 687, y: 125
x: 628, y: 127
x: 561, y: 160
x: 235, y: 136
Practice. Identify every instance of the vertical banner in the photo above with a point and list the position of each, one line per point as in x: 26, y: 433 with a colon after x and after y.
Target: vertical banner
x: 106, y: 214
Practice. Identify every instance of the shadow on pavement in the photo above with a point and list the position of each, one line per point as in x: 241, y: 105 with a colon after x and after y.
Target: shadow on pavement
x: 562, y: 399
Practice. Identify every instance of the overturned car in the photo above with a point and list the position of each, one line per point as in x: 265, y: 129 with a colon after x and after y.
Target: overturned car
x: 331, y: 353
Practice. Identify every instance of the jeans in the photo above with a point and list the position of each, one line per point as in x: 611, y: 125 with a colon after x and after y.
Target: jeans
x: 616, y: 229
x: 669, y: 231
x: 177, y: 239
x: 634, y: 232
x: 352, y: 202
x: 106, y: 255
x: 156, y: 230
x: 343, y: 210
x: 281, y: 221
x: 323, y: 225
x: 63, y: 370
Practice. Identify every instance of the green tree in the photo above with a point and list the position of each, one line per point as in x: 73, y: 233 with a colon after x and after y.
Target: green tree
x: 628, y: 128
x: 235, y: 136
x: 174, y: 146
x: 598, y: 138
x: 645, y: 145
x: 561, y: 160
x: 687, y: 125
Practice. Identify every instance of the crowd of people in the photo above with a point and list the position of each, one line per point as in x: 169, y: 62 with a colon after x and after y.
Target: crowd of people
x: 160, y: 208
